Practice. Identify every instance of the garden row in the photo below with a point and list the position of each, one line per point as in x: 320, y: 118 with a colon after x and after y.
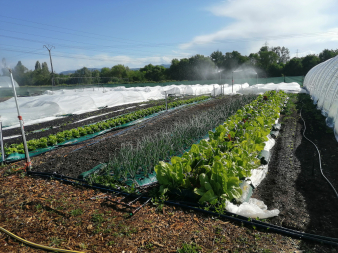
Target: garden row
x: 137, y: 160
x: 214, y: 168
x: 60, y: 137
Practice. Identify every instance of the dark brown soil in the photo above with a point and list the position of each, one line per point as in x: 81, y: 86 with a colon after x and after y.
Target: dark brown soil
x: 294, y: 183
x: 72, y: 161
x: 71, y: 121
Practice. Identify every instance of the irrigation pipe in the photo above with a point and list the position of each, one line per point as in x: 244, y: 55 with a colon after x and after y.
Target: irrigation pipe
x: 228, y: 216
x: 320, y: 162
x: 39, y: 246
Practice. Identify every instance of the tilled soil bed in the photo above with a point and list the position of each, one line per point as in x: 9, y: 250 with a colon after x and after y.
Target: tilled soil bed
x: 77, y: 120
x: 72, y: 161
x: 294, y: 184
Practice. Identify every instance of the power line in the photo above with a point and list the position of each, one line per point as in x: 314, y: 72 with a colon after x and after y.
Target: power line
x: 63, y: 28
x: 70, y: 57
x: 215, y: 42
x: 150, y: 44
x: 64, y: 45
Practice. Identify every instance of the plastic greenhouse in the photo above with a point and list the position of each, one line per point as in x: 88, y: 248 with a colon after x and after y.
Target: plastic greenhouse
x: 322, y: 84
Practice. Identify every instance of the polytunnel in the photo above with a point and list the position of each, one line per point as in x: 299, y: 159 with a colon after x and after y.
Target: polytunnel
x: 322, y: 84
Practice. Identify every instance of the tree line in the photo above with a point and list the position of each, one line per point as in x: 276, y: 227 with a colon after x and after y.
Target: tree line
x: 267, y: 62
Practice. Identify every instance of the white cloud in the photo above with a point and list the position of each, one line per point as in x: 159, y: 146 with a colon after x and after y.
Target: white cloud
x: 290, y: 23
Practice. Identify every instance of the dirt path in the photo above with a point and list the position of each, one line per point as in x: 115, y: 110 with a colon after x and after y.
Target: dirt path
x: 294, y: 184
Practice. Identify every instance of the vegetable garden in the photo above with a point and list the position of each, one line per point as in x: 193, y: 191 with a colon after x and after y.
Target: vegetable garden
x: 200, y: 152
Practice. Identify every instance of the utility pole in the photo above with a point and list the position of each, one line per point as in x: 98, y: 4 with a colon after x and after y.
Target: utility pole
x: 51, y: 64
x: 266, y: 43
x: 297, y: 53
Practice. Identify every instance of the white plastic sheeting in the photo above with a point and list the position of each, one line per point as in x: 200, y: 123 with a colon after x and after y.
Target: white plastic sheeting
x: 254, y: 208
x: 261, y: 88
x: 322, y: 84
x: 52, y: 104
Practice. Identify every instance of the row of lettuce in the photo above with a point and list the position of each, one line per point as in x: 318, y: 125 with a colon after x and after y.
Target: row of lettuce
x: 214, y: 168
x: 61, y: 137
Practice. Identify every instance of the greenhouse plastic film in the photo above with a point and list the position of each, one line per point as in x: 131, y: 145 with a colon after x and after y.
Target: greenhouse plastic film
x: 322, y: 84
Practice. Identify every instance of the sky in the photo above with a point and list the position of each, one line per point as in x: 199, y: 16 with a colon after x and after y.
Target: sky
x: 135, y: 33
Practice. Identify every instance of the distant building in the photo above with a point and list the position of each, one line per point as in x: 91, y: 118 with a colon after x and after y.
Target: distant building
x: 5, y: 82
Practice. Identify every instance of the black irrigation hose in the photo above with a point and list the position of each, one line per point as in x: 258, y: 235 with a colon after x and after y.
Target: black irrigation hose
x: 229, y: 216
x: 297, y: 234
x: 259, y: 222
x: 320, y: 163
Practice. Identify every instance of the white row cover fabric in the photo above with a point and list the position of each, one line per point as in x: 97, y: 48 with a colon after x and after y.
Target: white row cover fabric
x: 322, y: 84
x: 261, y: 88
x: 48, y: 106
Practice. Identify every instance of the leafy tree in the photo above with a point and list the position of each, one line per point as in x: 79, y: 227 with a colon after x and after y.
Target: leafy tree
x: 37, y: 65
x: 254, y: 59
x: 135, y: 76
x: 308, y: 62
x: 327, y: 54
x: 293, y: 67
x: 154, y: 73
x: 266, y: 58
x: 283, y: 54
x: 19, y: 73
x: 83, y: 74
x: 106, y: 75
x: 119, y: 71
x: 201, y: 67
x: 44, y: 67
x: 275, y: 70
x: 96, y: 74
x: 218, y: 58
x: 233, y: 60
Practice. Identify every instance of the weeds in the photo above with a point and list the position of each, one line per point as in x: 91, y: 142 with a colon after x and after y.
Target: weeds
x: 189, y: 248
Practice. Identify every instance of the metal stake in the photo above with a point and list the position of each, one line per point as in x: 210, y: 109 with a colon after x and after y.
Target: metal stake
x: 21, y: 124
x: 2, y: 144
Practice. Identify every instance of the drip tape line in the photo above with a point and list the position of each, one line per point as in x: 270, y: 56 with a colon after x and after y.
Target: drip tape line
x: 320, y: 163
x: 229, y: 216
